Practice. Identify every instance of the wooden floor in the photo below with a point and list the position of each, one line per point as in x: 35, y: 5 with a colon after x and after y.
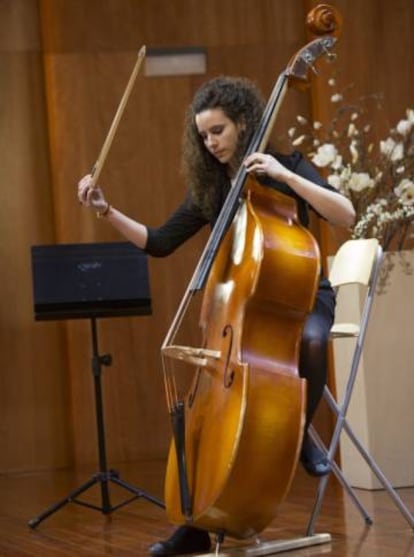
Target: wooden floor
x: 75, y: 530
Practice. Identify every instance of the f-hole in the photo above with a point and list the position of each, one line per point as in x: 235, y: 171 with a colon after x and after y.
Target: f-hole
x: 228, y: 373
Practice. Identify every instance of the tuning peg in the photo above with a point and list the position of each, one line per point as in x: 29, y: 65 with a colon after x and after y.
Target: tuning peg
x: 309, y: 60
x: 329, y: 54
x: 314, y: 70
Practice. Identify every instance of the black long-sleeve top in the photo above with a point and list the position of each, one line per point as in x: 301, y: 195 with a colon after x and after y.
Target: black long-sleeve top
x: 188, y: 219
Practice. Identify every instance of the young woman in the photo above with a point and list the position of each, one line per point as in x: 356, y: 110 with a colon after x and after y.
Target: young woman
x: 220, y: 123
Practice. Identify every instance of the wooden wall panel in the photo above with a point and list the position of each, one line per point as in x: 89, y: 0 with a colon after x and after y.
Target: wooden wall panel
x: 87, y: 68
x: 34, y: 432
x: 61, y: 89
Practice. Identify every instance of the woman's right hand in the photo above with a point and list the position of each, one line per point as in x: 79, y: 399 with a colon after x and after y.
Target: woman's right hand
x: 91, y: 196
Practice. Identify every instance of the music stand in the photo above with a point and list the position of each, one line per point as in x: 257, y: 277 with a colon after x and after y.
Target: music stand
x: 78, y: 281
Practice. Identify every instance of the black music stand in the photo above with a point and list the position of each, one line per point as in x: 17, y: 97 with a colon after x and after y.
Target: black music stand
x: 77, y: 281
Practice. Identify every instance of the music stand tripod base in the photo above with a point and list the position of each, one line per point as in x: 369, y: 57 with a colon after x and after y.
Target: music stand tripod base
x: 77, y: 281
x: 106, y: 508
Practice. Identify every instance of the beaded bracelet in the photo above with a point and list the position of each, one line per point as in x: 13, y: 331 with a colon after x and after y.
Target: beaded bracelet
x: 104, y: 213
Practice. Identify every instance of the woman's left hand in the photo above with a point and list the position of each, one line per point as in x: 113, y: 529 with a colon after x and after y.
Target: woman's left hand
x: 336, y: 208
x: 264, y: 164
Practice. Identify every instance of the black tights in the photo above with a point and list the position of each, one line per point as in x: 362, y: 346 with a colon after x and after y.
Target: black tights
x: 313, y: 351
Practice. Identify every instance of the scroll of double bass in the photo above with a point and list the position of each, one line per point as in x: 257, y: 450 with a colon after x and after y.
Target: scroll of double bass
x: 238, y: 431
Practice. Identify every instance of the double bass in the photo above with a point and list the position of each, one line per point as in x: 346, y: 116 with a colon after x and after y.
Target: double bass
x: 237, y: 432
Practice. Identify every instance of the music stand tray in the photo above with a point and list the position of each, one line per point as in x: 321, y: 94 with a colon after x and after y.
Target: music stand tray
x: 89, y: 281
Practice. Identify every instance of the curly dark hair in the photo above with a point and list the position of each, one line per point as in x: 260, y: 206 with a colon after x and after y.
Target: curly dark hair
x: 240, y: 101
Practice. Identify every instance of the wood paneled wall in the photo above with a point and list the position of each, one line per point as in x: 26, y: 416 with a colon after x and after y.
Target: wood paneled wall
x: 34, y: 431
x: 64, y: 65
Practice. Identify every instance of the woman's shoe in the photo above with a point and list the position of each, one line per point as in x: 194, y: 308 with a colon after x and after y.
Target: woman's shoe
x: 185, y: 539
x: 313, y: 459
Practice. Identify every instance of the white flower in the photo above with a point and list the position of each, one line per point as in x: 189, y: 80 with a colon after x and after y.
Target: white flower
x: 298, y: 140
x: 377, y: 176
x: 337, y: 163
x: 325, y: 155
x: 359, y: 181
x: 335, y: 181
x: 353, y: 148
x: 387, y: 146
x: 392, y: 149
x: 352, y: 130
x: 410, y: 115
x: 398, y: 152
x: 404, y: 127
x: 405, y: 191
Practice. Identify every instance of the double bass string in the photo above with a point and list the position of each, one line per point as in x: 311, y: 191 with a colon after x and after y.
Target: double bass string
x: 258, y: 143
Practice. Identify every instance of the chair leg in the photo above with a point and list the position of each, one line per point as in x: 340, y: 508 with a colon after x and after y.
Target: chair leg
x: 324, y: 480
x: 341, y: 478
x: 372, y: 463
x: 340, y: 425
x: 340, y: 418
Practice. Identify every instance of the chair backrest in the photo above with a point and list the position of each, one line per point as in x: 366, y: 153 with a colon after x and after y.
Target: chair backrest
x: 355, y: 262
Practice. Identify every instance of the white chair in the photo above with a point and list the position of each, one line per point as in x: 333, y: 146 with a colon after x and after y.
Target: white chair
x: 356, y: 262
